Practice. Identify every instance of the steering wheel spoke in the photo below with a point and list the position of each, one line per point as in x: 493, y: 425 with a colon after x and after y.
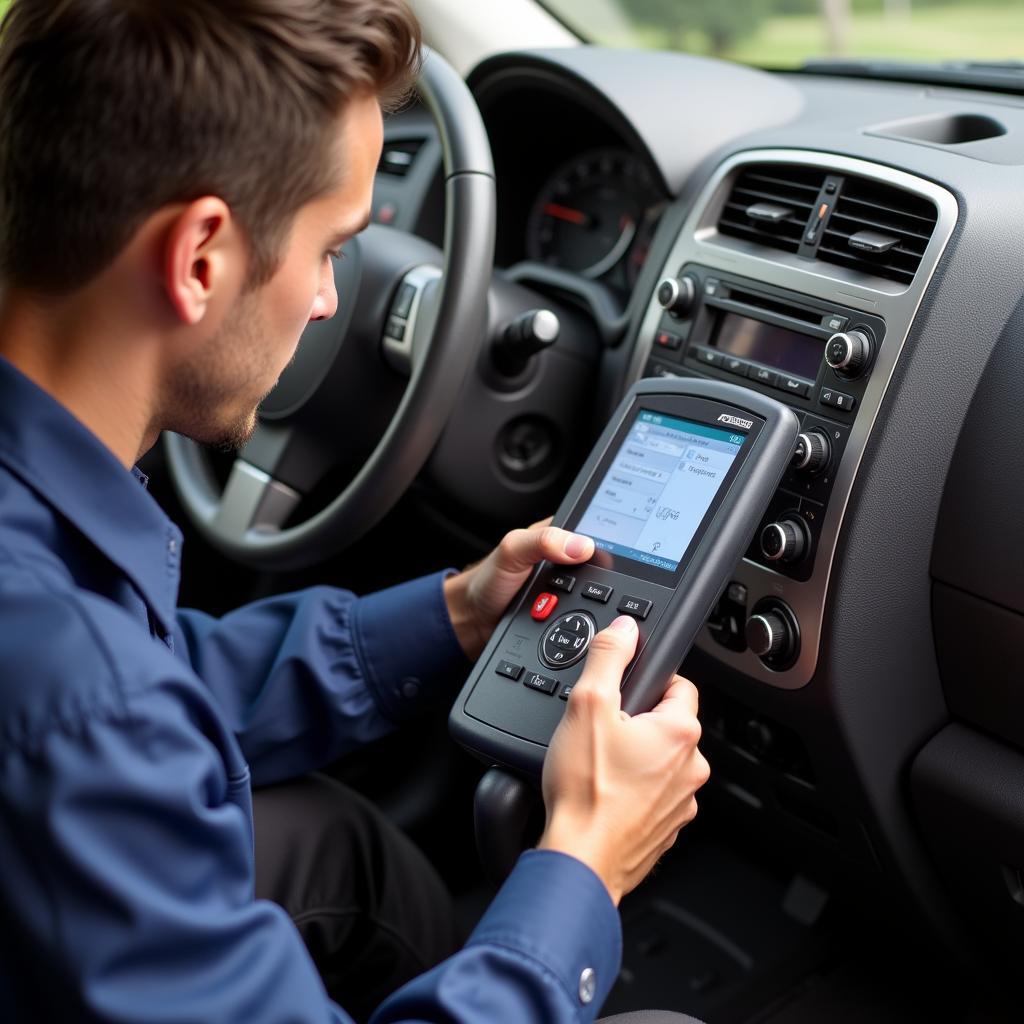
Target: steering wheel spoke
x: 253, y: 501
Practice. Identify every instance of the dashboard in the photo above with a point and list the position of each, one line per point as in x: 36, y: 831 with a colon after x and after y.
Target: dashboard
x: 850, y: 247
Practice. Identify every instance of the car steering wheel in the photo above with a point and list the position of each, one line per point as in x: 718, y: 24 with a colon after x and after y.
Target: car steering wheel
x: 410, y: 313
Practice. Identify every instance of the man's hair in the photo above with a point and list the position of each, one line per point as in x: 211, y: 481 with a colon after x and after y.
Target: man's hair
x: 113, y: 109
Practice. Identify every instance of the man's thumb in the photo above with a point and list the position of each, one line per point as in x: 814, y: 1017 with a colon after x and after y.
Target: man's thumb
x: 610, y: 652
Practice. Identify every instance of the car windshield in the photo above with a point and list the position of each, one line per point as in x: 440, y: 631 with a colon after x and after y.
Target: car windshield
x: 787, y: 33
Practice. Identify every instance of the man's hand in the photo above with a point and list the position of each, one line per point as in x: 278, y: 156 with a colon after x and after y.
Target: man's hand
x: 618, y: 789
x: 478, y: 596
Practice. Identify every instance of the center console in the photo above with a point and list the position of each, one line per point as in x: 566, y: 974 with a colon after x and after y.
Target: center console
x: 798, y: 275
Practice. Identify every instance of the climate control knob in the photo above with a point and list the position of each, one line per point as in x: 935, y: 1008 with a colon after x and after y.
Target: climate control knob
x: 848, y: 353
x: 813, y: 452
x: 768, y: 635
x: 676, y: 295
x: 785, y: 541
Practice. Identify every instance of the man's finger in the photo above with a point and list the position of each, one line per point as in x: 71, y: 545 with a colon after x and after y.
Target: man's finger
x: 523, y: 549
x: 610, y: 652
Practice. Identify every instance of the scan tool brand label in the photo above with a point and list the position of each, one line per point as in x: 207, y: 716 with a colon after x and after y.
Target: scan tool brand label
x: 735, y: 421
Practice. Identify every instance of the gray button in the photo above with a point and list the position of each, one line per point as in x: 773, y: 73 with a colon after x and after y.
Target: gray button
x: 588, y: 985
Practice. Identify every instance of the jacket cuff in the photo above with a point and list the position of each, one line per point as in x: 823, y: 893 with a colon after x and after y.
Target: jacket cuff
x: 407, y: 646
x: 556, y: 911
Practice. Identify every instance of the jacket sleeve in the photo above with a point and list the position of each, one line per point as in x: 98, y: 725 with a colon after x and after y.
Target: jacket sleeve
x: 303, y: 678
x: 548, y: 949
x: 127, y: 880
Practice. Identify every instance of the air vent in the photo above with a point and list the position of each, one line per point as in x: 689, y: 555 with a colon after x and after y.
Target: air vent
x: 398, y: 157
x: 770, y: 204
x: 878, y: 229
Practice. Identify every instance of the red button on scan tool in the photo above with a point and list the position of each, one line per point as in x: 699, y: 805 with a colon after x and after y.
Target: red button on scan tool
x: 543, y: 607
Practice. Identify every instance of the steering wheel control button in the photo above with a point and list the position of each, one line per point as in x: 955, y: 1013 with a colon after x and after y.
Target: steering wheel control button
x: 562, y: 581
x: 510, y: 670
x: 395, y: 328
x: 785, y: 541
x: 563, y: 693
x: 837, y: 400
x: 588, y: 985
x: 635, y: 606
x: 542, y: 684
x: 543, y: 607
x: 848, y: 353
x: 403, y: 303
x: 597, y: 592
x: 566, y: 640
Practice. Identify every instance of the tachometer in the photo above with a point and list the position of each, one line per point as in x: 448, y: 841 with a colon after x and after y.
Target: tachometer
x: 594, y: 216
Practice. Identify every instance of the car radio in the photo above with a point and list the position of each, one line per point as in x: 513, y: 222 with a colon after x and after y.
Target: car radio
x: 816, y: 357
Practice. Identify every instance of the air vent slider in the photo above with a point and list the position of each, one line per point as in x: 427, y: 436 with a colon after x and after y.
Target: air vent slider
x: 871, y: 241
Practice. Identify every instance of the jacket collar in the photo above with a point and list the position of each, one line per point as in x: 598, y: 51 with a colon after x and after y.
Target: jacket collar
x: 70, y: 469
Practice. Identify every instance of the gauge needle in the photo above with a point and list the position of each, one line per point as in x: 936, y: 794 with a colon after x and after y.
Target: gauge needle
x: 567, y: 213
x: 625, y: 240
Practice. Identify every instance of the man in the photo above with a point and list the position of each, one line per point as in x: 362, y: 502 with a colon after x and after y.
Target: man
x: 175, y: 179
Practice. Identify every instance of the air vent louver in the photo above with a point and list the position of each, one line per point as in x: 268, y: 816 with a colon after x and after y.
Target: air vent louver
x: 878, y: 229
x: 771, y: 203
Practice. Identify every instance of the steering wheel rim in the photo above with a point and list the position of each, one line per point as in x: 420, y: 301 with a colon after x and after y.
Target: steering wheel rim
x: 244, y: 522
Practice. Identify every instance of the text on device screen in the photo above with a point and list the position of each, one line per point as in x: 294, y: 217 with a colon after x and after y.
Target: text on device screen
x: 764, y: 343
x: 658, y: 488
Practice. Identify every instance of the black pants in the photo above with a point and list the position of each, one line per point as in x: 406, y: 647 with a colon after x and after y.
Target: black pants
x: 369, y: 906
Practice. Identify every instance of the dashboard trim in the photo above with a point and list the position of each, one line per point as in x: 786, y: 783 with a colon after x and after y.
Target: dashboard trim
x: 699, y: 242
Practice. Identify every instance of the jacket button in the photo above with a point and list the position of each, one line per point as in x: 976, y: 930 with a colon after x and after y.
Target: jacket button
x: 588, y: 985
x: 410, y: 687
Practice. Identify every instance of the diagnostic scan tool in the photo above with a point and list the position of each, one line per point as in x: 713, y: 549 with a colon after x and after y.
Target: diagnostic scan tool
x: 671, y: 495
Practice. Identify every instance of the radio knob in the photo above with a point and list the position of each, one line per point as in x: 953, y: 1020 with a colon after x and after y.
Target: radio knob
x: 768, y: 635
x: 676, y: 295
x: 813, y: 452
x: 848, y: 353
x: 784, y: 541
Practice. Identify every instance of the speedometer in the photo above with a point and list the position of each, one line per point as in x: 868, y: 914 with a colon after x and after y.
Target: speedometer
x: 595, y: 215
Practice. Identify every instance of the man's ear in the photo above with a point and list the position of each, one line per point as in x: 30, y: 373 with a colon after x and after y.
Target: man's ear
x: 201, y: 252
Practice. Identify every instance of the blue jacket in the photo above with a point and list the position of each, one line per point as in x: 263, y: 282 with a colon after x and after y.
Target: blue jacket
x: 131, y: 733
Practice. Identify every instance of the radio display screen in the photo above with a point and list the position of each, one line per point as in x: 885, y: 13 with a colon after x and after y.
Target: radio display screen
x: 777, y: 347
x: 658, y: 488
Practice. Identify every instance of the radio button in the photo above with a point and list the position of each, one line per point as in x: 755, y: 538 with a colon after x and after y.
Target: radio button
x: 793, y: 385
x: 668, y: 340
x: 737, y: 366
x: 764, y: 376
x: 834, y: 322
x: 705, y: 355
x: 837, y: 400
x: 785, y: 541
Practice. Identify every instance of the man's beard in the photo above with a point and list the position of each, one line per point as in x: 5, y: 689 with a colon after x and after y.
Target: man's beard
x: 206, y: 390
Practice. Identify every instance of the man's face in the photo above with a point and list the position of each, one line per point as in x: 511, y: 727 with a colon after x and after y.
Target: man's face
x: 216, y: 393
